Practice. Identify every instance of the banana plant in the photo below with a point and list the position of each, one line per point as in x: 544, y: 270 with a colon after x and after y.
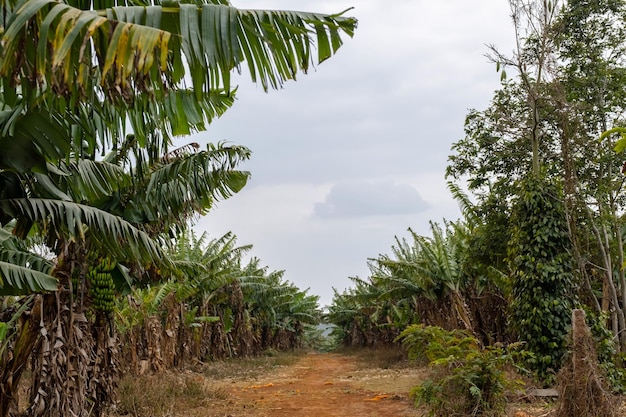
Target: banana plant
x: 22, y: 271
x: 80, y: 79
x: 96, y: 69
x: 430, y: 266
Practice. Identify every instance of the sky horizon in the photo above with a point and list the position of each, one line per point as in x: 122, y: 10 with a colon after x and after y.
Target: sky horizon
x: 353, y: 154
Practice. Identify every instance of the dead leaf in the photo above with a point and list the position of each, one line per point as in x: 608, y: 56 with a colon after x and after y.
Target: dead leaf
x: 378, y: 397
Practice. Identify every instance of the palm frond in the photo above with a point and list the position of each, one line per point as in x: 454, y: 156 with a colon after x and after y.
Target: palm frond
x: 21, y: 280
x: 81, y: 180
x: 115, y: 235
x: 210, y: 173
x: 151, y: 48
x: 29, y: 137
x: 179, y: 112
x: 165, y: 289
x: 468, y: 209
x: 25, y: 259
x: 94, y: 180
x: 22, y: 272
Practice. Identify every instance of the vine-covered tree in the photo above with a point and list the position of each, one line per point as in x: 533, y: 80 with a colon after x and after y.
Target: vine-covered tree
x: 542, y: 295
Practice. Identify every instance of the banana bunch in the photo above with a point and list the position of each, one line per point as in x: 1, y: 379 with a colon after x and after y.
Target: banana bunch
x: 102, y: 288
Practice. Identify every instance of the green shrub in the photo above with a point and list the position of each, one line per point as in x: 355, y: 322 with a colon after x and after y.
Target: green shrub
x: 467, y: 379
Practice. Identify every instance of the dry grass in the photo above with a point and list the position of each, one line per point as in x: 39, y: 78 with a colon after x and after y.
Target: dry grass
x: 583, y: 390
x: 160, y: 395
x: 209, y: 391
x: 168, y: 393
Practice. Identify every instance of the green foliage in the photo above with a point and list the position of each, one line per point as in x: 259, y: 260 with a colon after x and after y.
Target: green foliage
x: 319, y: 338
x: 15, y: 307
x: 467, y: 379
x: 420, y: 272
x: 62, y: 110
x: 74, y: 81
x: 446, y: 278
x: 21, y: 271
x: 542, y: 275
x: 432, y: 342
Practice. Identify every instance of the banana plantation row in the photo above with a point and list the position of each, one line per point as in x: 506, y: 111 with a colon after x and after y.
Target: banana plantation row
x: 222, y: 309
x: 216, y: 306
x: 98, y: 190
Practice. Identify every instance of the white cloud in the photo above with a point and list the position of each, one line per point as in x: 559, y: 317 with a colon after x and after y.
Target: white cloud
x: 365, y: 199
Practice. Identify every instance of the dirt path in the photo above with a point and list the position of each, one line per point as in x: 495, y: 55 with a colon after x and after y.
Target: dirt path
x: 367, y: 383
x: 324, y: 385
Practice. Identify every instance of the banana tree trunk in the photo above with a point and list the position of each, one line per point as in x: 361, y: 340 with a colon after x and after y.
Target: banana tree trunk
x: 73, y: 368
x: 462, y: 310
x: 11, y: 370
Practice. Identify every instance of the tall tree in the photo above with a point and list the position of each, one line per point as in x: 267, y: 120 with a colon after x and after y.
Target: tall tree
x: 580, y: 97
x: 590, y: 100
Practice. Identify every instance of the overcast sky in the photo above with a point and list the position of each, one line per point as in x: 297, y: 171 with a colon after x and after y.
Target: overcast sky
x: 352, y: 154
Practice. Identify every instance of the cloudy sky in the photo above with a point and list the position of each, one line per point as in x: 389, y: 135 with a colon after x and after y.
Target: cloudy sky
x: 352, y: 154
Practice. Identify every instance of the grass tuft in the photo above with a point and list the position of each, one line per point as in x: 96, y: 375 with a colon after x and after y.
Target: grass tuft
x: 160, y: 395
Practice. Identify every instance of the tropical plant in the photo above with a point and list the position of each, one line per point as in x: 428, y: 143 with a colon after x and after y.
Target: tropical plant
x: 220, y: 307
x: 364, y: 315
x: 435, y: 280
x: 22, y: 269
x: 467, y: 379
x: 75, y: 78
x: 430, y: 268
x: 281, y: 314
x: 140, y: 56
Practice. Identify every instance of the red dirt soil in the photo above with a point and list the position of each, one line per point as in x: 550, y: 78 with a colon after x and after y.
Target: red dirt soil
x: 323, y: 385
